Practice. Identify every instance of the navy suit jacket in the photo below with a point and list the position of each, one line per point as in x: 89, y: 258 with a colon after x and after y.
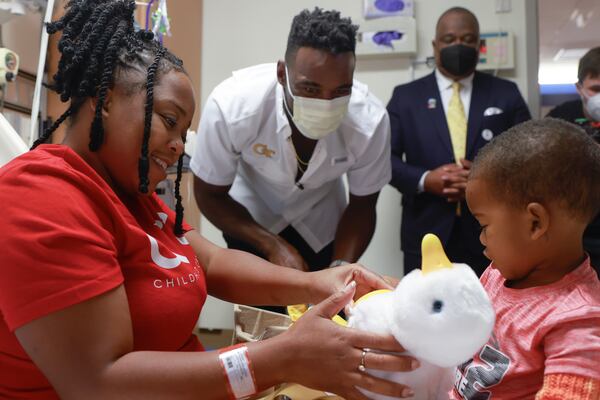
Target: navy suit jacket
x: 420, y: 135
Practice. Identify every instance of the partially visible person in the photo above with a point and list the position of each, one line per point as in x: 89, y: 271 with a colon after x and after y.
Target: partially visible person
x: 438, y: 125
x: 101, y: 284
x: 585, y: 112
x: 534, y: 189
x: 276, y: 140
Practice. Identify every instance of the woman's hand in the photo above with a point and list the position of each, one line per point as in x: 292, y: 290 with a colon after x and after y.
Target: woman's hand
x: 332, y: 280
x: 325, y: 356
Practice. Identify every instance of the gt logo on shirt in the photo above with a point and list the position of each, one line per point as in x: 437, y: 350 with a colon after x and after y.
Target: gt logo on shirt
x: 477, y: 378
x: 263, y: 150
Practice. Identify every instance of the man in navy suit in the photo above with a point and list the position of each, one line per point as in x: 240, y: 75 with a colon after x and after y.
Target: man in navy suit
x: 438, y: 124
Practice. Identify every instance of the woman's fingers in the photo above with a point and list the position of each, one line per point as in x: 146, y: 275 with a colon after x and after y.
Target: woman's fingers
x: 368, y: 281
x: 337, y: 367
x: 332, y: 358
x: 369, y: 340
x: 392, y: 280
x: 389, y: 362
x: 334, y: 303
x: 381, y: 386
x: 354, y: 394
x: 326, y: 281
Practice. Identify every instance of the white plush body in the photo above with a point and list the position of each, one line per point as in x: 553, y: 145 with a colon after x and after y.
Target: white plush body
x: 442, y: 339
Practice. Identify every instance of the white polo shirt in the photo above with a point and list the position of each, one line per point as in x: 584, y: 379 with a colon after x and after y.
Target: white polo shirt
x: 244, y: 140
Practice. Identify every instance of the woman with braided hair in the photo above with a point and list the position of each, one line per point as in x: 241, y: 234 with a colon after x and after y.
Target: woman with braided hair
x: 101, y: 284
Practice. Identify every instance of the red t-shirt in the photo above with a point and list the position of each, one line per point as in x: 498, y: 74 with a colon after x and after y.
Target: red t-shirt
x: 551, y: 329
x: 66, y: 237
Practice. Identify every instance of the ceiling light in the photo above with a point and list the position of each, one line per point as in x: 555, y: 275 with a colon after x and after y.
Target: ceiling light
x: 570, y: 54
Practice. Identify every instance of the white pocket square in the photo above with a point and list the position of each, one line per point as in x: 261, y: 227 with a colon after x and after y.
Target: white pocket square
x: 492, y: 111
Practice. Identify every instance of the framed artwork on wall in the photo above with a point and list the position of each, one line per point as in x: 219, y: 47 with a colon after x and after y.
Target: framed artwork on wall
x: 388, y: 8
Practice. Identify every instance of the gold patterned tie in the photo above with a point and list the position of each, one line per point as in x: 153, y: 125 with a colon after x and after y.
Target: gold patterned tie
x: 457, y: 124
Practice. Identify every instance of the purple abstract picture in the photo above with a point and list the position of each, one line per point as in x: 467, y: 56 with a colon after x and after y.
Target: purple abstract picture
x: 389, y: 5
x: 385, y: 38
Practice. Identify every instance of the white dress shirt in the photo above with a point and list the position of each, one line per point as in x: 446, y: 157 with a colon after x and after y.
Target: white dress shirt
x: 244, y: 140
x: 445, y: 87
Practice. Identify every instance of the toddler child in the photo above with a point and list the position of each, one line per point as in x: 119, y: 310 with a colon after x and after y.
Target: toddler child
x: 534, y: 189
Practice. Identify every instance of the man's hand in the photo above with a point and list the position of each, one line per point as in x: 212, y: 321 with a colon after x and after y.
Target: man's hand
x: 280, y: 252
x: 466, y: 164
x: 449, y: 180
x: 455, y: 184
x: 437, y: 180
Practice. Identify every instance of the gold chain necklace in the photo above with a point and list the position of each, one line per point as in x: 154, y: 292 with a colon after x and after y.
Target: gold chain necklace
x: 303, y: 170
x: 300, y: 161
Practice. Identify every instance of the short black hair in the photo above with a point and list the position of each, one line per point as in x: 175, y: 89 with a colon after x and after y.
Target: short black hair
x: 99, y: 48
x: 320, y: 29
x: 457, y: 10
x: 544, y: 161
x: 589, y: 65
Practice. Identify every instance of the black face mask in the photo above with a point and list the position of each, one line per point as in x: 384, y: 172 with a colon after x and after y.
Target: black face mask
x: 459, y: 59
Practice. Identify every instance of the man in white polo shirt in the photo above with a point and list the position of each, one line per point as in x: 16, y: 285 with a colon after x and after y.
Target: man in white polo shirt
x: 275, y: 141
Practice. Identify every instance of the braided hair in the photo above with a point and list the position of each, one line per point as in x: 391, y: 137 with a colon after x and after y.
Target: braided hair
x: 99, y: 46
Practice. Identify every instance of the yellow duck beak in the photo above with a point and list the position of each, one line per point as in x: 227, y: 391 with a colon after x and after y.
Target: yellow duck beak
x: 434, y: 257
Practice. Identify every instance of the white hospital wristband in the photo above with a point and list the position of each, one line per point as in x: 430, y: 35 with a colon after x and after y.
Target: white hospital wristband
x: 238, y: 371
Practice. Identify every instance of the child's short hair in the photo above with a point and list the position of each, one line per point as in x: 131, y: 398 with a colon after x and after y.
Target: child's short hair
x: 543, y: 161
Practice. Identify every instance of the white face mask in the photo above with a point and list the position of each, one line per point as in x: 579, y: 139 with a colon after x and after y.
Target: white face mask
x: 593, y: 107
x: 316, y: 118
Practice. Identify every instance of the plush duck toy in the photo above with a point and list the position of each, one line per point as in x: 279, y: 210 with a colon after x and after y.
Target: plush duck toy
x: 441, y: 314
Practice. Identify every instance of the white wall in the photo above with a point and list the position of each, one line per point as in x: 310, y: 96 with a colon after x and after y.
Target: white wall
x: 240, y: 33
